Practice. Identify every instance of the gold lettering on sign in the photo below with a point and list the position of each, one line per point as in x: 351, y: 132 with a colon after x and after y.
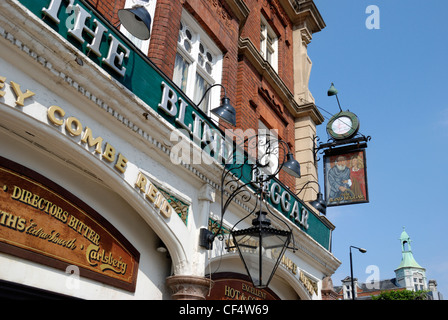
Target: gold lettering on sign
x: 121, y: 163
x: 309, y: 284
x: 37, y: 202
x: 20, y: 95
x: 232, y: 287
x: 75, y: 128
x: 84, y: 230
x: 46, y: 206
x: 53, y: 236
x: 39, y: 222
x: 109, y: 153
x: 92, y: 142
x: 247, y: 293
x: 52, y: 115
x: 95, y: 255
x: 18, y: 223
x: 11, y: 221
x: 2, y: 85
x: 254, y: 291
x: 289, y: 264
x: 153, y: 195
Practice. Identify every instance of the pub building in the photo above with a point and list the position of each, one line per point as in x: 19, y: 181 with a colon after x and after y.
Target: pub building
x: 106, y: 177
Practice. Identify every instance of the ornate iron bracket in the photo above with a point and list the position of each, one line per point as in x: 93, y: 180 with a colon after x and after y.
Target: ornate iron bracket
x: 360, y: 141
x: 245, y: 178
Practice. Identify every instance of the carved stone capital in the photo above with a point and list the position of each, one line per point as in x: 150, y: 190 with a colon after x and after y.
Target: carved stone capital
x: 189, y: 287
x: 327, y: 291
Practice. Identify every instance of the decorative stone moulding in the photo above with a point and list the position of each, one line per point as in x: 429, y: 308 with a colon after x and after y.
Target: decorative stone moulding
x: 189, y: 287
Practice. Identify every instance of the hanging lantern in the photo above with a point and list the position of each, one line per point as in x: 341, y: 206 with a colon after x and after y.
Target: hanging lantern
x: 261, y: 248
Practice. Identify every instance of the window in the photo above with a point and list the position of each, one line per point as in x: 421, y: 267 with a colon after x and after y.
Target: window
x: 198, y: 64
x: 418, y: 281
x: 268, y: 44
x: 181, y: 72
x: 150, y: 5
x: 347, y: 291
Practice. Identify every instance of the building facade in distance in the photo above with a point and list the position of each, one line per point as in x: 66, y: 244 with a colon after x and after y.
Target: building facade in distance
x: 408, y: 276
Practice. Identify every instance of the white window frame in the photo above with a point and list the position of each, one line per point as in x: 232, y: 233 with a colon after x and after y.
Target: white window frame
x: 417, y: 278
x: 266, y: 33
x: 150, y: 6
x: 194, y: 69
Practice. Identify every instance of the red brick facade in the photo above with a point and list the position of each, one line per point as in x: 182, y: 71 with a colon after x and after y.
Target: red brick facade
x: 109, y: 9
x: 164, y: 36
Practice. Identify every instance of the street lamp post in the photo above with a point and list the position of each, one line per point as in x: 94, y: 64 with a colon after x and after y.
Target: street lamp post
x: 351, y: 268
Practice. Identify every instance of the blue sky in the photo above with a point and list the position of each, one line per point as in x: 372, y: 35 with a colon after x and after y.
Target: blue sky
x: 395, y: 79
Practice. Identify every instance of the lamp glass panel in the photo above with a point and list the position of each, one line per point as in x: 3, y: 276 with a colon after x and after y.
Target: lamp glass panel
x: 261, y: 251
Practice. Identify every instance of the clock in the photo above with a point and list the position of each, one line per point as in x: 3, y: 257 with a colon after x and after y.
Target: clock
x: 343, y: 125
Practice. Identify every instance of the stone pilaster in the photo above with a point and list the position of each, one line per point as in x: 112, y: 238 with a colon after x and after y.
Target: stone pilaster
x: 327, y: 291
x: 305, y: 131
x: 307, y: 21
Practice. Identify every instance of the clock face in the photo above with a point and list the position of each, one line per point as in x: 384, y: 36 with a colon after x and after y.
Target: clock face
x: 343, y: 125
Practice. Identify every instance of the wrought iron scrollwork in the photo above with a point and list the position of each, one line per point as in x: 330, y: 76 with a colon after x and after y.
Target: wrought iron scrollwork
x: 356, y: 142
x: 248, y: 171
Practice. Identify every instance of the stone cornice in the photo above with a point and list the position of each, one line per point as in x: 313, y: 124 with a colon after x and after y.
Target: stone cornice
x: 304, y: 13
x: 240, y: 9
x: 310, y: 109
x: 248, y: 49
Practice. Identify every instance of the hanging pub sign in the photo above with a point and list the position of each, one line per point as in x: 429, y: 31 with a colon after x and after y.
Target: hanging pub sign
x: 345, y: 174
x: 42, y: 222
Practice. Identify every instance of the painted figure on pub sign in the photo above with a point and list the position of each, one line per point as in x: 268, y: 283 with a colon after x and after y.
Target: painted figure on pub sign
x: 346, y: 178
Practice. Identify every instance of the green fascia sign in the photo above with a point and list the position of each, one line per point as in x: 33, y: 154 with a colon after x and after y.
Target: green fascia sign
x: 85, y: 28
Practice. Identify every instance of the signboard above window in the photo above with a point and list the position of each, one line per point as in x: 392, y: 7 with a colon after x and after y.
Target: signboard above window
x: 42, y: 222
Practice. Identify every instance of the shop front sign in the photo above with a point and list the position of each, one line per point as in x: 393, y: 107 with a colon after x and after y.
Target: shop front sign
x: 234, y: 286
x: 42, y: 222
